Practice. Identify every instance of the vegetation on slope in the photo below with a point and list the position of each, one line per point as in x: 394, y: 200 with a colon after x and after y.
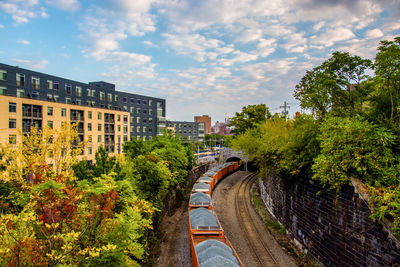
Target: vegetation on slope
x: 353, y: 131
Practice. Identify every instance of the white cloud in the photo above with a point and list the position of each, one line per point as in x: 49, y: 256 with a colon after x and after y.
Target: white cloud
x: 22, y: 11
x: 374, y: 33
x: 150, y: 44
x: 25, y: 42
x: 1, y: 26
x: 332, y: 36
x: 41, y: 64
x: 319, y: 25
x: 68, y: 5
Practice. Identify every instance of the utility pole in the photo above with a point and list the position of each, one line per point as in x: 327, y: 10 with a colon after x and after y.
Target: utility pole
x: 285, y: 106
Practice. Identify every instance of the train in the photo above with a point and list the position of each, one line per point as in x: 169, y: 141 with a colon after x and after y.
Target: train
x: 208, y: 244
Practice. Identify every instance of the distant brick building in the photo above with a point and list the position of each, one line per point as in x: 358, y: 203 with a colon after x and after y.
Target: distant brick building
x: 222, y: 128
x: 206, y: 120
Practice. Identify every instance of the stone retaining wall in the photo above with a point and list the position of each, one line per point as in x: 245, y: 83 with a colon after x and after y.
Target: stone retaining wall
x: 334, y: 229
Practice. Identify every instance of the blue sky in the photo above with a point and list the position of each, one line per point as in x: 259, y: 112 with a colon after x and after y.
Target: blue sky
x: 203, y: 56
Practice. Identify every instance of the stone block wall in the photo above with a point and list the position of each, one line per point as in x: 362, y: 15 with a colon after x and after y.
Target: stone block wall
x: 333, y: 228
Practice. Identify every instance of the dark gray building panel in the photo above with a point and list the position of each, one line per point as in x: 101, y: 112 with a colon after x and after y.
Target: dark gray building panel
x: 145, y: 111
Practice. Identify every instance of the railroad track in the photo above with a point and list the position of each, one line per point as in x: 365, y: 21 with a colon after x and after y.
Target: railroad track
x: 245, y: 218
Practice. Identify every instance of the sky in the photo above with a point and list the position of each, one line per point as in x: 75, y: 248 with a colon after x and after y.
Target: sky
x: 203, y: 56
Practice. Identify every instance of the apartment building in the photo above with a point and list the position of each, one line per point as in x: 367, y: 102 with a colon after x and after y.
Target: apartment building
x: 190, y: 130
x: 104, y: 115
x: 207, y: 122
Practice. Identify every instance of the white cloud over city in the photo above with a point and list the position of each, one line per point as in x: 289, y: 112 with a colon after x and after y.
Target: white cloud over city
x: 211, y: 57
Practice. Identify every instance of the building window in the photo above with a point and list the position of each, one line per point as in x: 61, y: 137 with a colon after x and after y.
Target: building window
x: 20, y: 93
x: 88, y: 92
x: 93, y: 93
x: 35, y: 82
x: 50, y: 124
x: 125, y: 108
x: 89, y: 127
x: 12, y: 139
x: 150, y: 129
x: 144, y: 111
x: 137, y: 119
x: 102, y: 96
x: 49, y: 111
x: 150, y: 120
x: 3, y: 75
x: 89, y: 138
x: 12, y: 107
x: 68, y: 89
x: 144, y: 129
x: 3, y: 90
x: 138, y: 111
x: 132, y: 119
x: 90, y: 103
x: 20, y: 79
x: 99, y: 138
x: 56, y: 85
x: 125, y: 99
x: 89, y: 114
x: 125, y: 119
x: 119, y: 128
x: 137, y: 129
x: 63, y: 112
x: 78, y: 91
x: 99, y: 127
x: 118, y: 117
x: 132, y: 129
x: 115, y: 98
x: 12, y: 123
x: 144, y: 102
x: 150, y: 112
x: 150, y: 102
x: 49, y: 84
x: 109, y: 96
x: 89, y: 150
x: 68, y: 100
x: 99, y: 115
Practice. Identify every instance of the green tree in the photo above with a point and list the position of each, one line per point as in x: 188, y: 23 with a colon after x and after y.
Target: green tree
x: 250, y: 117
x: 335, y: 86
x: 387, y: 65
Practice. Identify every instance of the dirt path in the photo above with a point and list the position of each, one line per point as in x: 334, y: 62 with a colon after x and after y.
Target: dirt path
x: 174, y: 249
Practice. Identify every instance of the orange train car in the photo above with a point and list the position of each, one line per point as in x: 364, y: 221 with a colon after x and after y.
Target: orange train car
x: 213, y: 251
x: 204, y: 222
x: 208, y: 244
x: 202, y: 187
x: 200, y: 199
x: 208, y: 180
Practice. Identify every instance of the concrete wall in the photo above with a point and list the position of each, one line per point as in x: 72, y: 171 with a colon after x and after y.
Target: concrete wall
x: 334, y: 229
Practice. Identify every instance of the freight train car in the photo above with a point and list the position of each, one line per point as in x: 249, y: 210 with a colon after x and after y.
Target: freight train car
x: 208, y: 244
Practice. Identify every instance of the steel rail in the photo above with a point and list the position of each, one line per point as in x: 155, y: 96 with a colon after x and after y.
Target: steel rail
x: 253, y: 236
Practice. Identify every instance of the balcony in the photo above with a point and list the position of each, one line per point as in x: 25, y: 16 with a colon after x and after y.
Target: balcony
x: 30, y: 114
x: 76, y: 118
x: 109, y: 131
x: 109, y: 120
x: 27, y: 129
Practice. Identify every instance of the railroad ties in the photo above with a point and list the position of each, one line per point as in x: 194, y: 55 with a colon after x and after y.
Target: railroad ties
x: 253, y: 236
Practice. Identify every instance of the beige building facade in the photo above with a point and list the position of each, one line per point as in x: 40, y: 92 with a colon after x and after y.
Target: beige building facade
x: 96, y: 126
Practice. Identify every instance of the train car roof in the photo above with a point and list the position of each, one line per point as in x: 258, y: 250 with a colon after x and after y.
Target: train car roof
x: 212, y: 252
x: 200, y: 186
x: 210, y: 173
x: 202, y: 217
x: 205, y: 178
x: 200, y: 197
